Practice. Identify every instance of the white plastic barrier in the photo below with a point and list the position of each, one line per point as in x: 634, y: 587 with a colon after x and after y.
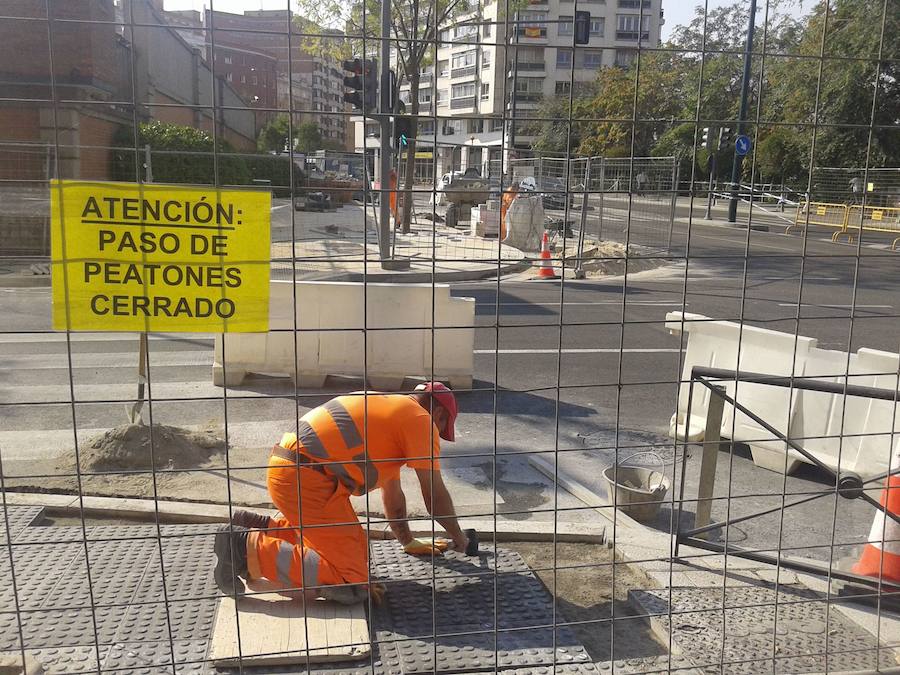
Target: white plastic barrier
x: 856, y: 430
x: 383, y: 330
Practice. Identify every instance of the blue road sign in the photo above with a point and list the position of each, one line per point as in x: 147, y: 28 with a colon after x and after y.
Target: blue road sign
x: 742, y: 145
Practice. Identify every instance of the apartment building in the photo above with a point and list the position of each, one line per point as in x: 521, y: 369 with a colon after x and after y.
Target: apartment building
x: 256, y: 55
x: 482, y: 57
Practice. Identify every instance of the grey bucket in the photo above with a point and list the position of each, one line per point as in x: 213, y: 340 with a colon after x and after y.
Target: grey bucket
x: 638, y: 491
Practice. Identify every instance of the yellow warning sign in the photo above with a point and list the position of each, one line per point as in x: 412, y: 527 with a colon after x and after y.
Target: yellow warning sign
x: 153, y: 257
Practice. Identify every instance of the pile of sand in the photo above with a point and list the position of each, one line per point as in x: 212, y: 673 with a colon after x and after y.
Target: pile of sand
x: 607, y: 258
x: 128, y: 448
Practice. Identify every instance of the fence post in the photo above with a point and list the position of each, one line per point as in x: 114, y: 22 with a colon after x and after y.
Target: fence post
x: 711, y: 443
x: 675, y: 171
x: 148, y: 165
x: 585, y: 191
x: 600, y: 207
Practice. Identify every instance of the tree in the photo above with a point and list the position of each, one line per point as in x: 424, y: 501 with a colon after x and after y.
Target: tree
x: 307, y: 137
x: 274, y: 135
x: 852, y: 93
x: 415, y: 27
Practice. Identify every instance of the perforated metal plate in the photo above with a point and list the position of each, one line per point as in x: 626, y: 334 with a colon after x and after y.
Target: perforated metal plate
x: 743, y: 630
x: 146, y: 615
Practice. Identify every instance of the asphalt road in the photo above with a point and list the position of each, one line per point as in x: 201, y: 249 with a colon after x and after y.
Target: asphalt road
x: 582, y: 371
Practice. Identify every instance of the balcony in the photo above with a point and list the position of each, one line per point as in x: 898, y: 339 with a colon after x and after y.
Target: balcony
x: 466, y: 71
x: 634, y: 4
x: 528, y: 66
x: 632, y: 35
x: 462, y: 102
x: 426, y: 77
x: 532, y: 32
x: 528, y: 96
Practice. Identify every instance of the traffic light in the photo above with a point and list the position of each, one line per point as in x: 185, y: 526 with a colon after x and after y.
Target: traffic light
x: 582, y: 27
x: 704, y: 143
x: 402, y: 130
x: 725, y: 136
x: 363, y: 84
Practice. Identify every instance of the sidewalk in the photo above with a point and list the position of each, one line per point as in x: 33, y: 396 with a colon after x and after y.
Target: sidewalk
x: 342, y: 245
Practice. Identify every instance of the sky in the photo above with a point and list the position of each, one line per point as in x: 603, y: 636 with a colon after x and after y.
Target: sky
x: 676, y: 11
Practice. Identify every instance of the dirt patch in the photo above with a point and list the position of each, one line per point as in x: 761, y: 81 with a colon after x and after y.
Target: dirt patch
x: 607, y: 258
x: 592, y: 594
x: 129, y: 447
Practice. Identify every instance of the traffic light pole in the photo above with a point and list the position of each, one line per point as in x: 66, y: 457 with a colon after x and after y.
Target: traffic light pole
x: 384, y: 108
x: 742, y: 115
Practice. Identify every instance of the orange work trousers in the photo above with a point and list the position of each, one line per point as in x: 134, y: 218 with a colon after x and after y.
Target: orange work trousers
x: 333, y: 548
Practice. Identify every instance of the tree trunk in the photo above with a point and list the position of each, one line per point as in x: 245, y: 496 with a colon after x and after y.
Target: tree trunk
x: 406, y: 215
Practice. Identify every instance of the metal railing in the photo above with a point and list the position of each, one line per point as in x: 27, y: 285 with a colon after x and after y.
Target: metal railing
x: 846, y: 484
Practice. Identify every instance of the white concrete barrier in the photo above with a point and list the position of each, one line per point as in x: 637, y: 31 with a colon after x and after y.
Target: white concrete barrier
x: 383, y: 330
x: 853, y: 432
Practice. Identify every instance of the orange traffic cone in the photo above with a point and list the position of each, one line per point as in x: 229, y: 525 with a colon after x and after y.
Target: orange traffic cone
x: 881, y: 556
x: 545, y: 270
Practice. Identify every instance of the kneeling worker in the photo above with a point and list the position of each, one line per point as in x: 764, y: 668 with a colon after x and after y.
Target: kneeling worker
x: 311, y: 478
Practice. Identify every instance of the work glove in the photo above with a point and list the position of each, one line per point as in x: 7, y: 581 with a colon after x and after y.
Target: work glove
x: 425, y: 547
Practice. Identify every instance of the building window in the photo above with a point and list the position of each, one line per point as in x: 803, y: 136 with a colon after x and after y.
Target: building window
x: 634, y: 4
x: 228, y: 77
x: 487, y: 29
x: 426, y: 127
x: 442, y: 96
x: 452, y: 127
x: 444, y: 68
x: 425, y: 96
x: 598, y: 25
x: 465, y: 30
x: 592, y: 58
x: 565, y: 26
x: 485, y: 91
x: 446, y: 35
x: 463, y: 60
x: 227, y: 60
x: 485, y: 60
x: 476, y: 126
x: 563, y: 58
x: 625, y: 57
x: 462, y: 90
x: 255, y: 80
x: 533, y: 25
x: 562, y: 88
x: 496, y: 124
x: 632, y: 27
x: 243, y: 79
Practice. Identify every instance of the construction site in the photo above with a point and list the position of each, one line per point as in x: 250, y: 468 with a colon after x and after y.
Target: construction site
x: 428, y: 336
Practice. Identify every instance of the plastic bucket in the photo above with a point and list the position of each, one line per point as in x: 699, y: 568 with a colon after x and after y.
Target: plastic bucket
x: 638, y: 492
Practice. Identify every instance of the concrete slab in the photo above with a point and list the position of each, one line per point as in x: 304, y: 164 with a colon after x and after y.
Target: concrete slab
x: 269, y: 629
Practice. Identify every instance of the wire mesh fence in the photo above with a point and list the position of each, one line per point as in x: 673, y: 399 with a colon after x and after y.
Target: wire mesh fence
x: 668, y: 437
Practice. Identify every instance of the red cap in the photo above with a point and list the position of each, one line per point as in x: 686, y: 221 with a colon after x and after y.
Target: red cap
x: 443, y: 395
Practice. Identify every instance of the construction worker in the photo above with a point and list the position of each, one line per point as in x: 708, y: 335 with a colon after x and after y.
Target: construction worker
x: 393, y: 185
x: 311, y: 478
x: 506, y: 200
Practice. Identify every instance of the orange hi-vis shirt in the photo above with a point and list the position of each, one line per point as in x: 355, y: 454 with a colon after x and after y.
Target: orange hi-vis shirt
x: 399, y: 432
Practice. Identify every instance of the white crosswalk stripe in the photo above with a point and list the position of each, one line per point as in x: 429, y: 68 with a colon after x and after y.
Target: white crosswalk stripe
x: 36, y: 402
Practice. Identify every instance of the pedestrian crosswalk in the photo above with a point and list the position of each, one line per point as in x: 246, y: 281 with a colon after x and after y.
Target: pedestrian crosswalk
x: 50, y: 384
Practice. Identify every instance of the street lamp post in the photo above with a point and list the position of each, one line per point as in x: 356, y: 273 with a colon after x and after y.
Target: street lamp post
x: 742, y: 115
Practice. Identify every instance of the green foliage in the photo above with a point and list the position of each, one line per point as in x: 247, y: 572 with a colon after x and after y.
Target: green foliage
x: 307, y: 137
x: 780, y: 155
x: 274, y: 168
x: 179, y: 154
x: 832, y: 101
x: 273, y: 137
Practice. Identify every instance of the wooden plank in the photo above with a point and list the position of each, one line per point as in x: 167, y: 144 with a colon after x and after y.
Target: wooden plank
x: 275, y: 631
x: 711, y: 445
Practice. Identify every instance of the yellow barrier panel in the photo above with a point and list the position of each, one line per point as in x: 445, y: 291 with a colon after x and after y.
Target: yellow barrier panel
x: 821, y: 213
x: 152, y: 257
